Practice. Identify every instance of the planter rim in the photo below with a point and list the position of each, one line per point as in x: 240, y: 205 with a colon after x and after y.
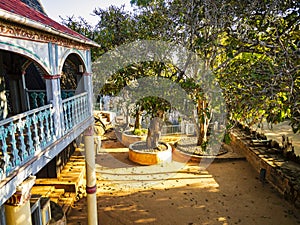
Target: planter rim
x: 169, y: 147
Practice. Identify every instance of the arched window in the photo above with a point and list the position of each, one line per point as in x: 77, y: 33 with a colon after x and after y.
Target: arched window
x: 71, y: 75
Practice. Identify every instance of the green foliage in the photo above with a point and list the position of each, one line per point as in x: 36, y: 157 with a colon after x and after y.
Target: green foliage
x: 140, y: 132
x: 259, y: 79
x: 79, y: 25
x: 153, y: 104
x: 144, y: 3
x: 227, y: 138
x: 251, y: 46
x: 115, y: 27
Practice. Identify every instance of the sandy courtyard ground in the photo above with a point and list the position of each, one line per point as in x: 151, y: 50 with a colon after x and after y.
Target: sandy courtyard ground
x: 227, y: 192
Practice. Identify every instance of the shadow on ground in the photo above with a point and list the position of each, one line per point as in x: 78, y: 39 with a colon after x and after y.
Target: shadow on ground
x: 181, y: 194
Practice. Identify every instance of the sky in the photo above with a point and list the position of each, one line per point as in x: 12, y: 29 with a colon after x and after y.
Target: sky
x: 83, y: 8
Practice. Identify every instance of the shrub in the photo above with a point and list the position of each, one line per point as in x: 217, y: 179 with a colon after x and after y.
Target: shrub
x: 140, y: 132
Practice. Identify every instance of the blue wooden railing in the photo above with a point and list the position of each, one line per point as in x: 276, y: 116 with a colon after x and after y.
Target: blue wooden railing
x: 75, y: 110
x: 25, y: 135
x: 38, y: 98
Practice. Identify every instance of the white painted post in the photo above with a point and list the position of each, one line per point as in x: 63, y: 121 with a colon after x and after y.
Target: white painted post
x: 53, y: 89
x: 53, y: 96
x: 91, y: 185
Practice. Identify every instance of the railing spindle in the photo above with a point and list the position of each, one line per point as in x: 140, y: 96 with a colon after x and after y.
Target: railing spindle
x: 69, y: 104
x: 52, y: 133
x: 34, y: 95
x: 41, y: 97
x: 65, y: 110
x: 14, y: 151
x: 23, y: 151
x: 36, y: 138
x: 41, y: 128
x: 29, y: 135
x: 47, y: 130
x: 6, y: 165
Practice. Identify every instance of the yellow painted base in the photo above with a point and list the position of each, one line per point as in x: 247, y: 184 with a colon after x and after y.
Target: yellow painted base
x: 18, y: 215
x: 150, y: 158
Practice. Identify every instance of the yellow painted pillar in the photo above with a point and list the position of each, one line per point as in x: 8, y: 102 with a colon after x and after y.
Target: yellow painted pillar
x: 17, y: 207
x: 91, y: 185
x: 18, y: 214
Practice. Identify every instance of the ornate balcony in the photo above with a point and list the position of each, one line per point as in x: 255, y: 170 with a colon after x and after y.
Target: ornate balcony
x: 29, y: 140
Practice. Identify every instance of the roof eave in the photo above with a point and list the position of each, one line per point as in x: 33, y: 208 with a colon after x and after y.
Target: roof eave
x: 34, y: 24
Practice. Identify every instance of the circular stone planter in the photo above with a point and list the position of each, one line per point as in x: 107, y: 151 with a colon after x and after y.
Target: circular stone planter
x: 128, y: 138
x: 150, y: 157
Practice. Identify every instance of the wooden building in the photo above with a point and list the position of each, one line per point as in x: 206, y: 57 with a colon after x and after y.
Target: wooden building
x: 45, y: 98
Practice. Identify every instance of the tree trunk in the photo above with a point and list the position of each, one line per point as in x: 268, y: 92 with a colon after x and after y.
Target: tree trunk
x: 203, y: 120
x: 127, y: 116
x: 138, y: 119
x: 154, y: 131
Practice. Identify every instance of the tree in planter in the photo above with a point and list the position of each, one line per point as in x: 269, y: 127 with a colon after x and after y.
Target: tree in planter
x: 156, y: 108
x: 151, y: 94
x: 118, y: 27
x: 192, y: 25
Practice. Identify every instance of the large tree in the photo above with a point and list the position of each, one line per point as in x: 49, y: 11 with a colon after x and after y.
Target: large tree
x: 261, y: 74
x: 252, y: 47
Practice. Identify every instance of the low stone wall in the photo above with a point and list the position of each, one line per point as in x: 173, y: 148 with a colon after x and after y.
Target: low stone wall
x: 267, y: 159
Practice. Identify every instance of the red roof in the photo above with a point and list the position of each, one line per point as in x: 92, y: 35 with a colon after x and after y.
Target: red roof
x: 21, y: 9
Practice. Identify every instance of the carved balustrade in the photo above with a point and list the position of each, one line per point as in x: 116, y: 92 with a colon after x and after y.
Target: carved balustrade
x: 38, y: 98
x: 25, y: 135
x: 75, y: 110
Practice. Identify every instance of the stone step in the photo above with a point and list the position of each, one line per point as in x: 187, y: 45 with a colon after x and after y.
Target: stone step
x: 67, y: 202
x: 76, y: 161
x: 68, y: 185
x: 76, y: 165
x: 68, y: 172
x: 42, y: 190
x: 57, y: 194
x: 48, y: 191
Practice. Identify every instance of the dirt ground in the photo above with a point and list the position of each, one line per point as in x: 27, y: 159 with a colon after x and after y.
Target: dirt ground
x: 228, y: 192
